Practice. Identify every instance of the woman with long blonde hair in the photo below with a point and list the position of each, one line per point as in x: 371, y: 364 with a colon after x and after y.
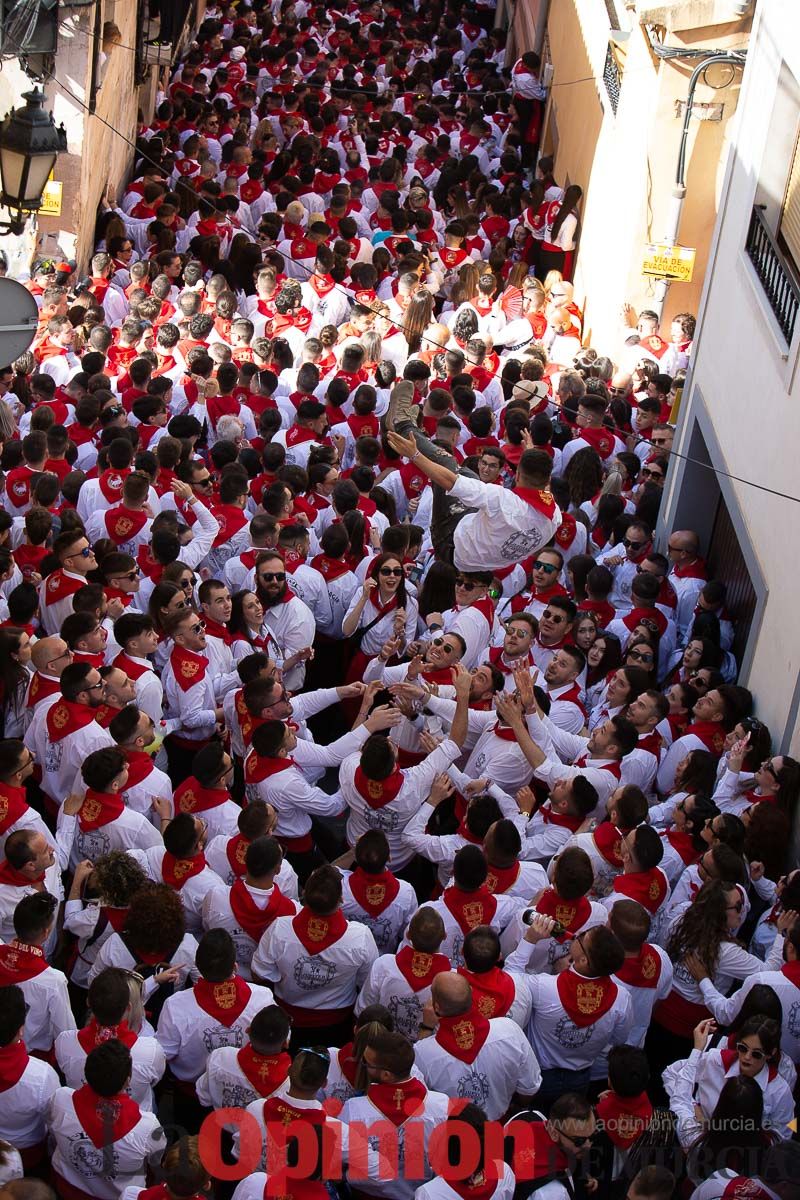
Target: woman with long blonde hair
x: 466, y: 286
x: 417, y: 318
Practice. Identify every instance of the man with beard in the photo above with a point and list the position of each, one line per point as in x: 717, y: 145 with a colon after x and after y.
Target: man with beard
x: 289, y: 622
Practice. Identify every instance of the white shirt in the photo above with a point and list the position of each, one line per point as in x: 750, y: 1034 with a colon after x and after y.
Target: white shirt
x: 387, y: 985
x: 217, y: 859
x: 557, y: 1041
x: 49, y: 1012
x: 503, y: 530
x: 11, y: 894
x: 148, y: 1059
x: 193, y: 708
x: 505, y: 1064
x: 453, y: 943
x: 382, y: 630
x: 388, y: 926
x: 61, y: 761
x: 440, y: 1189
x: 291, y: 627
x: 644, y: 999
x: 394, y: 816
x: 23, y: 1106
x: 392, y: 1184
x: 82, y: 1164
x: 188, y: 1034
x: 128, y: 831
x: 218, y: 914
x: 327, y: 980
x: 193, y: 891
x: 224, y: 1084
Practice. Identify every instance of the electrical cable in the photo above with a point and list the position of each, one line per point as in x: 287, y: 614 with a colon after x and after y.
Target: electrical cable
x: 495, y: 374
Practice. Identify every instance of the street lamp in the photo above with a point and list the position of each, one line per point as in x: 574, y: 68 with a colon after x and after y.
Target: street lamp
x: 29, y: 146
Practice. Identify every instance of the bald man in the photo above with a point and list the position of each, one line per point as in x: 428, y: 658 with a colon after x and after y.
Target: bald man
x: 688, y: 575
x: 468, y: 1055
x: 50, y: 655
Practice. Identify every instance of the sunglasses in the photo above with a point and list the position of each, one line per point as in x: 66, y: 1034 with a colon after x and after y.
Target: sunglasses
x: 467, y: 584
x: 204, y: 482
x: 548, y: 568
x: 556, y: 618
x: 633, y: 545
x: 387, y: 572
x: 637, y: 656
x: 86, y: 552
x: 648, y: 474
x: 272, y: 577
x: 131, y: 575
x: 448, y: 649
x: 578, y: 1142
x: 92, y: 687
x: 737, y: 907
x: 743, y: 1048
x: 659, y: 441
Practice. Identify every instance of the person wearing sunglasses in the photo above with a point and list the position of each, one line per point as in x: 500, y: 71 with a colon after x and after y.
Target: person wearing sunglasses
x: 483, y: 527
x: 555, y: 625
x: 122, y: 577
x: 545, y: 580
x: 578, y: 1014
x: 289, y: 623
x: 694, y: 1084
x: 644, y: 593
x: 77, y: 559
x: 688, y: 575
x: 472, y: 616
x: 191, y: 704
x: 520, y: 632
x: 776, y: 779
x: 714, y: 713
x: 623, y: 560
x: 381, y: 612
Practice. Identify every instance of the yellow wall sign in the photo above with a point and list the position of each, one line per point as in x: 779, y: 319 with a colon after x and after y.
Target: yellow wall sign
x: 51, y: 199
x: 669, y: 262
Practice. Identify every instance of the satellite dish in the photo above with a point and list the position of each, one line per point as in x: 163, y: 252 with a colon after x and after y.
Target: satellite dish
x: 19, y: 319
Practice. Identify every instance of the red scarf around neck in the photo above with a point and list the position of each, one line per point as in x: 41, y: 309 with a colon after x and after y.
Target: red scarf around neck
x: 93, y: 1035
x: 140, y: 766
x: 318, y: 933
x: 418, y: 968
x: 66, y: 717
x: 374, y: 892
x: 624, y: 1118
x: 572, y: 914
x: 264, y: 1072
x: 683, y: 843
x: 99, y: 809
x: 12, y: 806
x: 469, y: 909
x: 585, y: 1000
x: 190, y: 796
x: 176, y: 871
x: 463, y: 1036
x: 398, y: 1101
x: 20, y: 962
x: 378, y: 792
x: 123, y: 523
x: 251, y: 917
x: 608, y: 840
x: 643, y: 971
x: 224, y: 1002
x: 188, y: 668
x: 106, y: 1119
x: 649, y: 888
x: 500, y: 879
x: 493, y: 991
x: 329, y: 568
x: 110, y: 483
x: 710, y: 733
x: 13, y: 1063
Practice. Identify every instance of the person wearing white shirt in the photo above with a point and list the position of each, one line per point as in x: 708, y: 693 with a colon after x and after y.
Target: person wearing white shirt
x: 397, y: 1094
x: 113, y: 1014
x: 317, y: 960
x: 236, y: 1077
x: 487, y: 526
x: 372, y: 895
x: 180, y: 863
x: 561, y: 675
x: 469, y: 1055
x: 89, y: 1157
x: 23, y: 962
x: 28, y: 1083
x: 402, y: 982
x: 467, y: 903
x: 136, y: 634
x: 288, y: 621
x: 189, y: 693
x: 626, y: 808
x: 623, y: 560
x: 495, y: 991
x: 31, y: 867
x: 103, y: 823
x: 577, y: 1014
x: 64, y: 734
x: 687, y: 575
x: 252, y: 903
x: 646, y: 973
x: 215, y: 1012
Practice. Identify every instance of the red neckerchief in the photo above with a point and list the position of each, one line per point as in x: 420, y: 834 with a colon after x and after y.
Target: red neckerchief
x: 481, y: 1186
x: 151, y: 568
x: 683, y: 843
x: 692, y: 570
x: 437, y: 675
x: 710, y: 733
x: 188, y: 668
x: 374, y: 892
x: 123, y: 523
x: 12, y: 805
x: 572, y: 914
x: 29, y: 559
x: 93, y: 1035
x: 250, y: 917
x: 493, y: 991
x: 643, y: 971
x: 378, y: 792
x: 190, y: 796
x: 603, y: 612
x: 614, y: 768
x: 106, y: 1119
x: 66, y: 717
x: 505, y: 734
x: 59, y: 586
x: 224, y: 1002
x: 413, y: 480
x: 624, y: 1118
x: 20, y: 962
x: 418, y: 968
x: 329, y: 568
x: 649, y: 888
x: 317, y: 933
x: 176, y: 871
x: 497, y: 659
x: 11, y: 877
x: 99, y: 809
x: 111, y: 481
x: 14, y: 1060
x: 236, y: 852
x: 540, y: 499
x: 650, y: 617
x: 231, y: 520
x: 298, y: 434
x: 140, y: 765
x: 463, y: 1036
x: 791, y: 971
x: 367, y: 426
x: 134, y: 670
x: 500, y: 879
x: 247, y: 722
x: 347, y: 1064
x: 264, y: 1072
x: 469, y: 909
x: 258, y: 767
x: 608, y: 840
x: 321, y: 284
x: 562, y: 820
x: 585, y: 1000
x: 398, y: 1101
x: 600, y: 439
x: 94, y: 660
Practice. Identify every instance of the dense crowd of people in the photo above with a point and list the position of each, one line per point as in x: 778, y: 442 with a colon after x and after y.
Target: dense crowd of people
x: 365, y: 763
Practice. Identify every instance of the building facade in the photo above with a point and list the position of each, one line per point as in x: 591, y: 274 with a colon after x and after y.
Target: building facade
x: 740, y: 410
x: 619, y: 71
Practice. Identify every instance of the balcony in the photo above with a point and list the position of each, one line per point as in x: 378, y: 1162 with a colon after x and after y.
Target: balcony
x: 774, y: 273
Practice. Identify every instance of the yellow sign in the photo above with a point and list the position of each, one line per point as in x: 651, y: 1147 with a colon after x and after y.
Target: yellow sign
x: 51, y: 200
x: 669, y: 262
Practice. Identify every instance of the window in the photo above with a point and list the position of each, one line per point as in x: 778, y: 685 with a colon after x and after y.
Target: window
x: 789, y: 228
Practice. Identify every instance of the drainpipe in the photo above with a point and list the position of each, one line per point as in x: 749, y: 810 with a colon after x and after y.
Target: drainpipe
x: 679, y: 190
